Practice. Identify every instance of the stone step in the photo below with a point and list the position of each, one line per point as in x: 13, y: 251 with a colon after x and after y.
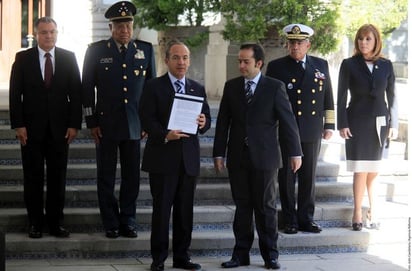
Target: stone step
x: 206, y: 218
x: 210, y: 193
x: 14, y: 173
x: 326, y: 171
x: 89, y: 245
x: 213, y: 205
x: 214, y: 240
x: 391, y: 188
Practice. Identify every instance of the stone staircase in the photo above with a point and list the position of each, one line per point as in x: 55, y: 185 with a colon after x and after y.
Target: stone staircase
x: 213, y: 214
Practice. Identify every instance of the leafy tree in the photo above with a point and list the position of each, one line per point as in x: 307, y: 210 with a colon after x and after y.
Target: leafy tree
x: 161, y: 14
x: 386, y: 15
x: 250, y: 20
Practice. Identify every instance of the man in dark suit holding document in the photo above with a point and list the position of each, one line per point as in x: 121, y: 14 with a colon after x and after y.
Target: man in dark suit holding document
x: 172, y: 156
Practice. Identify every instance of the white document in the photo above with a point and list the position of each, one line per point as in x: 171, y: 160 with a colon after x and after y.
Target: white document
x: 185, y: 110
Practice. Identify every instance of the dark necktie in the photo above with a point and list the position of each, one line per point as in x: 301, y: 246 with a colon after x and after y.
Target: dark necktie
x: 301, y: 65
x: 123, y: 51
x: 248, y: 91
x: 48, y: 70
x: 179, y: 87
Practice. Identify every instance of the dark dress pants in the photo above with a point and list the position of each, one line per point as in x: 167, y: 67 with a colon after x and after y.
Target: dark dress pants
x: 34, y: 154
x: 115, y: 212
x: 175, y: 190
x: 254, y: 192
x: 306, y: 176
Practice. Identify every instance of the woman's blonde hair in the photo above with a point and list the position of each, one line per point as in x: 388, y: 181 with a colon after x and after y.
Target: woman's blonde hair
x: 363, y: 31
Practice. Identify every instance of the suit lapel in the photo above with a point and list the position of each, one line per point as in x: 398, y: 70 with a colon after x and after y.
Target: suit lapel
x: 36, y: 65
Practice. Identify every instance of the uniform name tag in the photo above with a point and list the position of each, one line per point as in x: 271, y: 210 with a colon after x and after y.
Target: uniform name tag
x: 106, y: 60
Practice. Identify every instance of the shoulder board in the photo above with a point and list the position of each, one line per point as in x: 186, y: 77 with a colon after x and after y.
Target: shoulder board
x: 98, y: 43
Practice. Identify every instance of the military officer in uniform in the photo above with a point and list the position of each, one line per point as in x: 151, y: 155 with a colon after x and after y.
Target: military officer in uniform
x: 115, y: 71
x: 308, y: 85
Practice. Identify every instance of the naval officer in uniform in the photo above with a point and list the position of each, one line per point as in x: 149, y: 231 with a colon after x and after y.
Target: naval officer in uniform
x: 115, y: 71
x: 308, y: 85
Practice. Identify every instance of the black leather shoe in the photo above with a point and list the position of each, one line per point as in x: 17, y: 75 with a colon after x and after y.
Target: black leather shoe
x: 157, y: 267
x: 128, y: 231
x: 235, y: 262
x: 291, y: 229
x: 187, y: 265
x: 59, y: 232
x: 272, y: 264
x: 35, y: 232
x: 311, y: 227
x: 357, y: 226
x: 113, y: 233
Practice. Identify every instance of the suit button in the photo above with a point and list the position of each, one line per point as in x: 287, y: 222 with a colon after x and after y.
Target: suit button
x: 125, y: 77
x: 126, y: 101
x: 299, y: 102
x: 125, y: 89
x: 313, y: 113
x: 313, y: 90
x: 299, y: 113
x: 299, y: 91
x: 124, y: 65
x: 313, y: 101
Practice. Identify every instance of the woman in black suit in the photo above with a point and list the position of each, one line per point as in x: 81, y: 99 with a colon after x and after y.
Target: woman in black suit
x: 368, y: 121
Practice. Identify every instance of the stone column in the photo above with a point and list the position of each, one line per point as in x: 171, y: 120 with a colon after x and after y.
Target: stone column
x: 215, y: 62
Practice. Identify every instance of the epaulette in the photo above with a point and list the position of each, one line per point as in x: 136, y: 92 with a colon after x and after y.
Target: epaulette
x: 98, y: 43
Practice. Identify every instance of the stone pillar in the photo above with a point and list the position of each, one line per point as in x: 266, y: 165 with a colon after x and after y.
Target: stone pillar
x: 215, y: 62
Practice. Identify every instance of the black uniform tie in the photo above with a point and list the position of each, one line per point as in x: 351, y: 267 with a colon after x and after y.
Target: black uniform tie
x: 123, y: 51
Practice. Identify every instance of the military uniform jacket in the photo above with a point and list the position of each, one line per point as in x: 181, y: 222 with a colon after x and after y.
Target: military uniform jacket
x: 310, y: 93
x: 119, y: 83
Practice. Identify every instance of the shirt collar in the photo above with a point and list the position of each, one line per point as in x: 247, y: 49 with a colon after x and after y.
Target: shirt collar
x: 42, y: 52
x: 255, y: 79
x: 173, y: 79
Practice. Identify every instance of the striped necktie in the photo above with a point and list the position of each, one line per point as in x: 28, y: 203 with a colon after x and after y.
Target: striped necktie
x: 179, y: 87
x: 248, y: 91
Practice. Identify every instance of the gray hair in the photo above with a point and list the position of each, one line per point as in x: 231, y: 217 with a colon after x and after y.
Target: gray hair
x: 46, y: 20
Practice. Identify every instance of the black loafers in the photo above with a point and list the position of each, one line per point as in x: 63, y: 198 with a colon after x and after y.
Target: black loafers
x: 311, y: 227
x: 157, y: 267
x: 113, y: 233
x: 235, y: 262
x: 35, y: 232
x: 187, y: 265
x: 290, y: 229
x: 272, y: 264
x: 59, y: 232
x: 128, y: 231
